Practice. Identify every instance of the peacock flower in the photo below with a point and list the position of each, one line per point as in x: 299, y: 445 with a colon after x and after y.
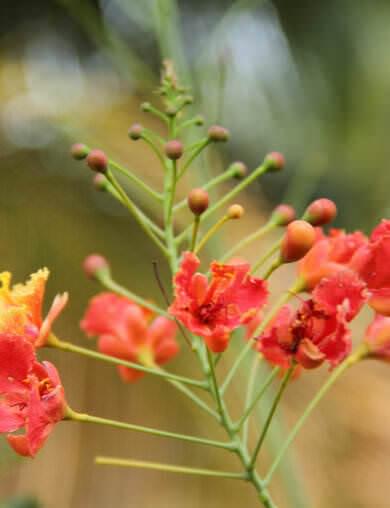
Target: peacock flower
x: 130, y: 332
x: 31, y: 395
x: 330, y: 254
x: 317, y: 331
x: 21, y: 307
x: 371, y: 261
x: 213, y: 309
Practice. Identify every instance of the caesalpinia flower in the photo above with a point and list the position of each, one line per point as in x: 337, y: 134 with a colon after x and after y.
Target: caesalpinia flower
x: 213, y: 309
x: 331, y: 254
x: 31, y: 395
x: 128, y: 331
x: 377, y: 338
x: 317, y: 331
x: 371, y: 261
x: 21, y: 307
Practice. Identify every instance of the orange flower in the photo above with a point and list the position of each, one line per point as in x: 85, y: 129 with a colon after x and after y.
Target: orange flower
x: 21, y: 307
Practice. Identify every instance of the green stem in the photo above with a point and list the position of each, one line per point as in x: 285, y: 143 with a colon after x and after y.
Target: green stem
x: 156, y: 112
x: 230, y: 195
x: 249, y: 239
x: 106, y: 281
x: 111, y: 461
x: 157, y: 230
x: 271, y: 413
x: 153, y: 146
x: 189, y: 123
x: 214, y: 384
x: 154, y: 194
x: 251, y: 404
x: 197, y: 150
x: 195, y: 232
x: 133, y: 210
x: 351, y: 360
x: 191, y: 395
x: 53, y: 341
x: 274, y: 266
x: 249, y: 396
x: 86, y: 418
x: 211, y: 232
x: 170, y: 182
x: 274, y: 248
x: 227, y: 175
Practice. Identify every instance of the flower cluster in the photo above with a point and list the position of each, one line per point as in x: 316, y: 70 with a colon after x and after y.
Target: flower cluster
x: 337, y: 273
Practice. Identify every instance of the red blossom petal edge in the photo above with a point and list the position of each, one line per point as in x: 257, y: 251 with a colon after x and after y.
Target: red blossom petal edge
x: 213, y: 308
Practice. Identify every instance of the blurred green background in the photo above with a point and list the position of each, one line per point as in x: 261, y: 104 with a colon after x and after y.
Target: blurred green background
x: 308, y: 78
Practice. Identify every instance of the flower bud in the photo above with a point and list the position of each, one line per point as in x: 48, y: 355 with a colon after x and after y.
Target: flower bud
x: 199, y: 120
x: 79, y: 151
x: 235, y: 212
x: 239, y: 169
x: 283, y: 215
x: 320, y: 212
x: 135, y: 131
x: 97, y: 160
x: 100, y: 182
x: 217, y: 133
x: 171, y: 110
x: 146, y: 107
x: 95, y: 264
x: 275, y: 161
x: 297, y: 241
x: 198, y: 201
x: 174, y: 149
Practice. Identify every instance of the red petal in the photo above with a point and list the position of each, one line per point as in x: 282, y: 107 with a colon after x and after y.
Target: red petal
x: 16, y: 361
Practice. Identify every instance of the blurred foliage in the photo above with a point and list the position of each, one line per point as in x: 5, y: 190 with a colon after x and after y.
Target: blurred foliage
x: 20, y: 502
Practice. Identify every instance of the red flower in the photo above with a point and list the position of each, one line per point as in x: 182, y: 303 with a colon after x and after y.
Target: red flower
x: 329, y: 255
x: 21, y: 307
x: 371, y: 261
x: 378, y: 338
x: 31, y: 395
x: 125, y: 330
x: 317, y: 331
x: 212, y: 309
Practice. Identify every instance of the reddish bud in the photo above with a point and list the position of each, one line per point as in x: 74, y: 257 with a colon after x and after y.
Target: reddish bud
x: 135, y: 131
x: 198, y: 201
x: 174, y: 149
x: 297, y: 241
x: 97, y: 160
x: 100, y: 182
x: 283, y: 215
x: 95, y: 264
x: 79, y: 151
x: 217, y: 133
x: 239, y: 169
x: 320, y: 212
x: 235, y: 212
x: 275, y: 161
